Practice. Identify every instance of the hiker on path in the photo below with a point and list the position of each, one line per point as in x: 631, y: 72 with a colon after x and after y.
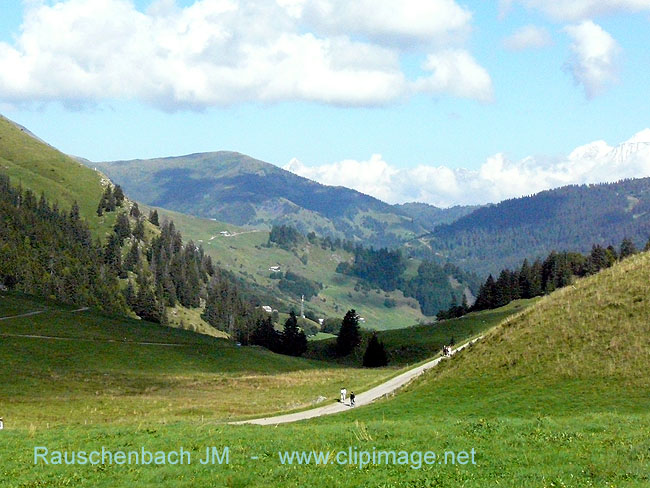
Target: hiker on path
x: 352, y: 397
x: 344, y: 392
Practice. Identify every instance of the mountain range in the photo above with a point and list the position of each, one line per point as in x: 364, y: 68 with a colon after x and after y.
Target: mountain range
x: 240, y: 190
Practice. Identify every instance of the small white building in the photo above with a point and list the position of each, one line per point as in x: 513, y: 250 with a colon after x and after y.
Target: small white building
x: 2, y: 424
x: 267, y: 309
x: 274, y: 268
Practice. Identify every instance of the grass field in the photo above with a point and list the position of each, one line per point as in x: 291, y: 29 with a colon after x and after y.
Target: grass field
x: 115, y: 370
x: 555, y: 396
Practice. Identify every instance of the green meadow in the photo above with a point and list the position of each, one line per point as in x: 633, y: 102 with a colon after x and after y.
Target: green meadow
x: 556, y: 395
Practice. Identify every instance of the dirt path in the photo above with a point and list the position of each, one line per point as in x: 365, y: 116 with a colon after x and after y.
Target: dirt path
x: 29, y: 314
x: 385, y: 389
x: 106, y: 341
x: 84, y: 339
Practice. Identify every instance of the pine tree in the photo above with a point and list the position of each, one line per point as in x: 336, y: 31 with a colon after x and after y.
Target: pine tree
x: 153, y: 218
x: 627, y: 248
x: 119, y: 196
x: 110, y: 199
x: 132, y: 260
x: 349, y: 336
x: 294, y: 340
x: 265, y: 335
x: 138, y: 230
x: 135, y: 211
x: 375, y: 355
x: 112, y: 254
x: 122, y: 227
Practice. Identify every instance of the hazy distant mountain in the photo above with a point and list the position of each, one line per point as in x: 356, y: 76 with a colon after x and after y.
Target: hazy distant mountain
x: 570, y: 218
x: 238, y: 189
x: 429, y: 216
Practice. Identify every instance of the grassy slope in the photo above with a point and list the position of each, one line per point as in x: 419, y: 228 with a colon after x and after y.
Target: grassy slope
x: 557, y: 396
x: 43, y: 169
x: 105, y: 375
x: 245, y: 255
x: 419, y: 342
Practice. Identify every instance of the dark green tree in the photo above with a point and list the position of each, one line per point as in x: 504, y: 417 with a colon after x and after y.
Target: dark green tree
x: 627, y: 248
x: 153, y: 218
x: 138, y: 230
x: 349, y: 336
x: 119, y: 196
x: 135, y: 211
x: 375, y: 355
x: 294, y: 340
x: 265, y: 335
x: 122, y: 227
x: 132, y: 260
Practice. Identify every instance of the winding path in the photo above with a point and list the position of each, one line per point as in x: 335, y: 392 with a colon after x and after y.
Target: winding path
x: 364, y: 398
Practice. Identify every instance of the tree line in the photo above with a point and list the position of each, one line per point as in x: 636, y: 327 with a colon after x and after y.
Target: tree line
x: 541, y: 277
x: 431, y: 287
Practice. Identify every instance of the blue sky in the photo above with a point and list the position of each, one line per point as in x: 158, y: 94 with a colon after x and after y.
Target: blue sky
x: 440, y: 101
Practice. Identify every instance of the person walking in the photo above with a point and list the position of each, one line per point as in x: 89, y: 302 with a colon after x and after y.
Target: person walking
x: 344, y: 392
x: 352, y: 397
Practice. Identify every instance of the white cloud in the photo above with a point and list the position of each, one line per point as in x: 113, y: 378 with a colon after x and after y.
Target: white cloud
x: 456, y: 71
x: 497, y: 179
x: 219, y: 52
x: 528, y: 37
x: 594, y: 63
x: 401, y: 22
x: 571, y: 10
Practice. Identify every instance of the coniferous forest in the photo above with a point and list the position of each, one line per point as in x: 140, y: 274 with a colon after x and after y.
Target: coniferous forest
x: 49, y: 252
x: 542, y: 277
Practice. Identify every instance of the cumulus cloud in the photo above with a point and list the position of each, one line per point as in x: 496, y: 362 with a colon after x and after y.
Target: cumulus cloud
x: 497, y: 178
x: 220, y: 52
x: 528, y: 37
x: 400, y: 22
x: 564, y: 10
x: 456, y: 71
x: 594, y: 63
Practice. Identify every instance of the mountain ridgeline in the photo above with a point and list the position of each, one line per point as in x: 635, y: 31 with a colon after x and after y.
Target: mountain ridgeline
x: 572, y: 218
x: 237, y: 189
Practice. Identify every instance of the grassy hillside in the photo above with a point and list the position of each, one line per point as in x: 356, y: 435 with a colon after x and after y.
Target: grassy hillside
x: 410, y: 345
x: 43, y: 169
x: 244, y: 253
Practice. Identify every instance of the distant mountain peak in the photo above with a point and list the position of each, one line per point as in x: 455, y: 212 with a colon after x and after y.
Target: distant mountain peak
x: 640, y: 137
x: 593, y: 150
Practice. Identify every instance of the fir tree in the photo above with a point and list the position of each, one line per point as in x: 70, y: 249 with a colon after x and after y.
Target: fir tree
x: 135, y: 211
x: 375, y: 355
x: 138, y: 230
x: 132, y: 260
x: 349, y: 336
x: 113, y: 254
x: 153, y: 218
x: 627, y: 248
x: 265, y: 335
x: 294, y: 340
x: 119, y: 196
x: 122, y: 227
